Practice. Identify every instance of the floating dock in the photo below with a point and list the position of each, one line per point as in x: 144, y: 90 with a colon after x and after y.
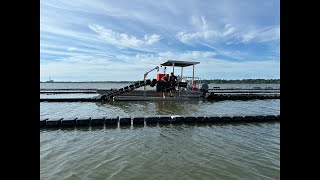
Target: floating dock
x: 212, y: 96
x: 132, y: 93
x: 140, y: 92
x: 152, y: 120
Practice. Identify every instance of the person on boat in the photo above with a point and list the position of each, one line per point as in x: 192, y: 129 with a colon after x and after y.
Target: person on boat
x: 165, y: 85
x: 173, y: 82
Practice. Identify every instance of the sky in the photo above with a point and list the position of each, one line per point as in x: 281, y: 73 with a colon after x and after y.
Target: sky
x: 108, y: 40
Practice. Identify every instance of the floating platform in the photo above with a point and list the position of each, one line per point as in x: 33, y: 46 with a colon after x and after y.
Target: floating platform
x: 68, y: 92
x: 219, y: 97
x: 148, y: 98
x: 212, y: 96
x: 152, y: 120
x: 68, y: 100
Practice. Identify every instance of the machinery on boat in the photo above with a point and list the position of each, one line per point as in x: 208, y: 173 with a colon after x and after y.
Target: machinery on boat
x: 185, y: 87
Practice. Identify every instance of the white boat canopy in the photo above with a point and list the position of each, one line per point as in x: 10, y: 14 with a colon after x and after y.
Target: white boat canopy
x: 179, y: 63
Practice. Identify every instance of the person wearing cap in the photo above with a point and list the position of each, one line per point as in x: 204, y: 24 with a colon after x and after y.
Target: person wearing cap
x: 173, y: 79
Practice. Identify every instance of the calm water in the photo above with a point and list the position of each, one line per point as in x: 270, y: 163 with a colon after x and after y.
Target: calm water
x: 233, y: 151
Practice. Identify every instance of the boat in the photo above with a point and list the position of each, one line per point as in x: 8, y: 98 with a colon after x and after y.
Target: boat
x: 187, y: 87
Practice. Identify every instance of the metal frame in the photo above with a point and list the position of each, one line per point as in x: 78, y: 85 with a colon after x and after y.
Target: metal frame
x: 181, y: 64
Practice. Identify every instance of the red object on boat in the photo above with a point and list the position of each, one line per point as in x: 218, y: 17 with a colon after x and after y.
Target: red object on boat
x: 159, y: 76
x: 195, y: 85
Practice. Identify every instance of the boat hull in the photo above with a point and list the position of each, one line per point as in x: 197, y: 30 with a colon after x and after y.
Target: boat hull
x: 141, y: 98
x: 138, y: 95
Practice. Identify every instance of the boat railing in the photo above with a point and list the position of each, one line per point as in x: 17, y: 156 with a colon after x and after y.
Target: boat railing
x: 193, y: 83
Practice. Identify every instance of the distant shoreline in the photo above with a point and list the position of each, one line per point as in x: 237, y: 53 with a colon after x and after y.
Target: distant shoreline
x: 214, y: 81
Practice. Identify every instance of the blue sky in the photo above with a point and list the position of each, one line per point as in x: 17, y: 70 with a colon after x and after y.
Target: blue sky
x: 99, y: 40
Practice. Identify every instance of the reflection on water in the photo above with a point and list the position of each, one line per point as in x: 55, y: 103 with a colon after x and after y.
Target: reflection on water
x: 155, y: 107
x: 145, y: 108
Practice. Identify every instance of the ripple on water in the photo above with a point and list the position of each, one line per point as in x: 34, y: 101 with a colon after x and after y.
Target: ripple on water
x: 162, y: 152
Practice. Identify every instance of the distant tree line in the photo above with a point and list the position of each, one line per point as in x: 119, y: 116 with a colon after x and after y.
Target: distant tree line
x: 242, y: 81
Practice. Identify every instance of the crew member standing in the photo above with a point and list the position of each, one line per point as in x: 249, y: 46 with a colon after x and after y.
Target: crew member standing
x: 173, y: 81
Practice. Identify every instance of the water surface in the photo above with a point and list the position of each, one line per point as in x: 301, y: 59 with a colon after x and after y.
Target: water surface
x: 225, y: 151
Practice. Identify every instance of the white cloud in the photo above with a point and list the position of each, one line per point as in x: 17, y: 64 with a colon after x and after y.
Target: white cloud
x: 119, y: 31
x: 220, y: 69
x: 71, y: 49
x: 123, y: 40
x: 271, y: 33
x: 229, y: 29
x: 87, y: 67
x: 211, y: 67
x: 148, y: 61
x: 123, y: 67
x: 189, y: 55
x: 62, y: 34
x: 203, y: 34
x: 229, y: 34
x: 151, y: 39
